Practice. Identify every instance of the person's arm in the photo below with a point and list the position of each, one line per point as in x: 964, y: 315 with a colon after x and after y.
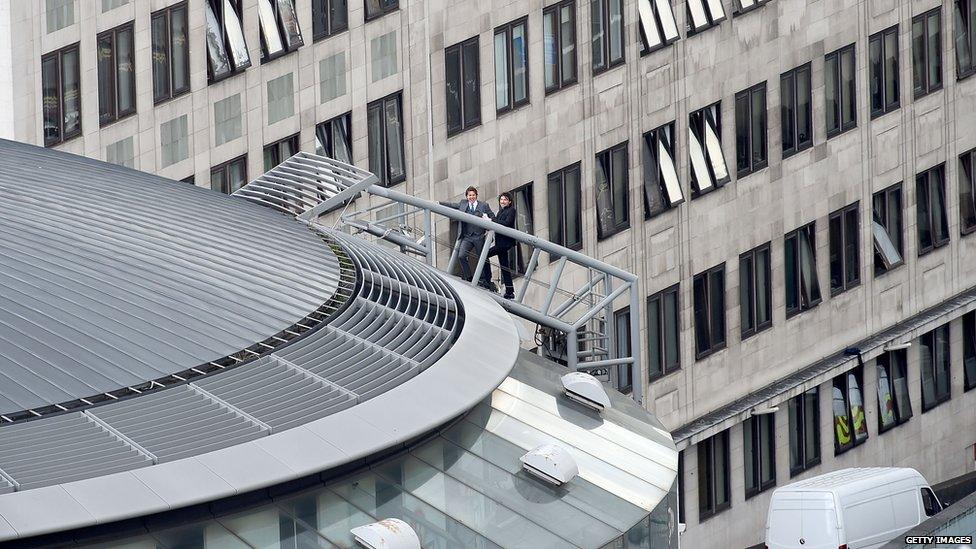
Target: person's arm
x: 488, y: 212
x: 507, y: 217
x: 448, y: 204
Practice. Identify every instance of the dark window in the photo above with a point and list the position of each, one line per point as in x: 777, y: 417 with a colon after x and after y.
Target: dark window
x: 333, y: 138
x: 280, y: 32
x: 934, y: 355
x: 759, y: 443
x: 930, y: 502
x: 279, y: 151
x: 744, y: 6
x: 524, y: 221
x: 681, y: 486
x: 927, y: 52
x: 708, y: 168
x: 802, y: 284
x: 565, y: 222
x: 850, y: 423
x: 840, y: 90
x: 713, y: 475
x: 621, y: 328
x: 559, y: 41
x: 116, y: 74
x: 796, y: 108
x: 883, y: 51
x: 229, y: 176
x: 61, y: 95
x: 894, y: 405
x: 329, y: 17
x: 662, y: 190
x: 378, y: 8
x: 463, y: 86
x: 967, y: 192
x: 191, y: 179
x: 804, y: 411
x: 607, y: 27
x: 933, y: 229
x: 709, y: 295
x: 657, y: 27
x: 969, y: 348
x: 703, y: 14
x: 755, y: 291
x: 750, y: 129
x: 511, y: 65
x: 226, y: 49
x: 965, y: 38
x: 385, y: 137
x: 612, y: 200
x: 845, y: 256
x: 170, y: 53
x: 886, y: 229
x: 663, y: 329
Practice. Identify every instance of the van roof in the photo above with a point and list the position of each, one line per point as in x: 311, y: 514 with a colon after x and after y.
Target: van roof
x: 852, y: 479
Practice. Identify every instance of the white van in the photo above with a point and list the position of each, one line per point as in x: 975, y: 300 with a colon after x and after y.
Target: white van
x: 849, y: 509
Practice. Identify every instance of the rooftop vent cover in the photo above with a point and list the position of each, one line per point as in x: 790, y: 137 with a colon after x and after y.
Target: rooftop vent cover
x: 586, y: 389
x: 388, y: 533
x: 550, y: 463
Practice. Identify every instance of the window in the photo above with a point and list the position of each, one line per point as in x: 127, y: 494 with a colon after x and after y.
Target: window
x: 612, y: 188
x: 802, y: 286
x: 804, y: 412
x: 116, y: 74
x: 709, y: 295
x: 109, y: 5
x: 708, y: 168
x: 850, y: 423
x: 845, y: 261
x: 280, y: 32
x: 657, y: 26
x: 621, y: 327
x: 750, y: 130
x: 662, y: 191
x: 281, y: 98
x: 894, y: 405
x: 174, y: 141
x: 191, y: 179
x: 933, y: 230
x: 703, y: 14
x: 713, y: 475
x: 378, y: 8
x: 383, y: 56
x: 332, y: 77
x: 333, y: 138
x: 565, y: 222
x: 743, y: 6
x: 759, y: 443
x: 681, y: 486
x: 840, y: 90
x: 927, y: 52
x: 965, y: 27
x: 930, y: 502
x: 796, y: 108
x: 663, y: 328
x: 511, y: 66
x: 228, y: 119
x: 969, y: 348
x: 121, y: 153
x: 883, y: 51
x: 607, y: 28
x: 886, y: 229
x: 967, y: 192
x: 559, y: 39
x: 463, y: 86
x: 226, y: 49
x: 59, y: 14
x: 170, y: 53
x: 229, y: 176
x: 329, y: 17
x: 519, y: 254
x: 385, y: 128
x: 934, y: 354
x: 755, y: 291
x: 279, y: 151
x: 61, y: 100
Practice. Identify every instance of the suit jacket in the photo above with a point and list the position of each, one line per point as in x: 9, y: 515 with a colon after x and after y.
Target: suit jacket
x: 468, y: 230
x: 506, y: 217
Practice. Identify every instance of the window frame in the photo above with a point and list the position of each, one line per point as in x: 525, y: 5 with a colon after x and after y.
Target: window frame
x: 619, y: 314
x: 963, y: 22
x: 886, y: 195
x: 742, y: 9
x: 969, y: 350
x: 709, y: 506
x: 613, y: 188
x: 167, y: 13
x: 662, y: 320
x: 705, y: 278
x: 711, y: 19
x: 939, y: 397
x: 275, y: 148
x: 507, y: 30
x: 394, y: 5
x: 755, y: 424
x: 663, y: 29
x: 924, y: 179
x: 843, y: 216
x: 704, y: 120
x: 520, y: 254
x: 754, y: 164
x: 752, y: 284
x: 557, y: 234
x: 464, y: 124
x: 113, y: 35
x: 386, y: 179
x: 892, y: 362
x: 321, y: 10
x: 837, y: 56
x: 792, y: 125
x: 558, y: 38
x: 653, y: 174
x: 880, y: 39
x: 287, y: 47
x: 235, y: 69
x: 59, y: 55
x: 842, y: 382
x: 812, y: 303
x: 926, y: 86
x: 967, y: 180
x: 607, y: 62
x: 223, y: 166
x: 798, y: 423
x: 345, y: 117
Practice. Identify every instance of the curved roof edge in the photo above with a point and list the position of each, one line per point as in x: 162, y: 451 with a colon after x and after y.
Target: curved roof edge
x: 481, y: 358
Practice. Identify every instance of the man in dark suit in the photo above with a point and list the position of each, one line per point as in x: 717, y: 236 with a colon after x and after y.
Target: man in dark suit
x: 472, y: 237
x: 503, y: 244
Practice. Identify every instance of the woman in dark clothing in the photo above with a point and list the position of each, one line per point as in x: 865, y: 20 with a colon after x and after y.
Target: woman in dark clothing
x: 506, y: 217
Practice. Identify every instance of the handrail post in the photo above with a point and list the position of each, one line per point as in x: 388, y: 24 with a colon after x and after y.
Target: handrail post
x: 553, y: 284
x: 635, y: 347
x: 452, y: 264
x: 572, y: 345
x: 527, y: 276
x: 483, y: 257
x: 429, y: 239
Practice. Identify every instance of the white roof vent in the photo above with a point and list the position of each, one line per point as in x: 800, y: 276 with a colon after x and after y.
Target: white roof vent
x: 388, y: 533
x: 586, y: 389
x: 550, y: 463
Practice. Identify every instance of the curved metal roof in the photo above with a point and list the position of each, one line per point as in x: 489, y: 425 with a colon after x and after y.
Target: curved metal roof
x: 113, y: 277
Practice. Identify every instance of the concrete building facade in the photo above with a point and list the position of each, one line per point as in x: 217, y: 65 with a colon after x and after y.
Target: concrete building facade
x: 930, y: 121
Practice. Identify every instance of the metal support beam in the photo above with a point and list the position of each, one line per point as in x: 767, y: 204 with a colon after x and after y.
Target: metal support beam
x: 574, y: 299
x: 482, y: 257
x: 527, y: 277
x: 554, y: 284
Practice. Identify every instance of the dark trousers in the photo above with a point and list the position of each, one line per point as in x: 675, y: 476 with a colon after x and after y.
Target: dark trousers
x: 471, y: 247
x: 503, y: 261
